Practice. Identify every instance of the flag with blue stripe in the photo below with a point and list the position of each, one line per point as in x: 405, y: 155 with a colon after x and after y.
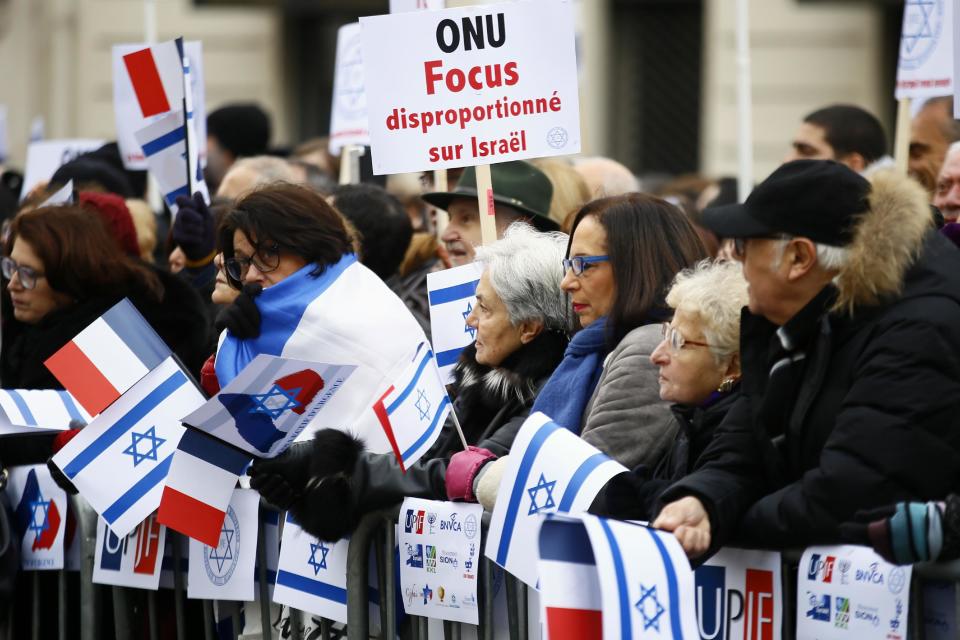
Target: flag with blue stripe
x: 646, y: 583
x: 164, y: 145
x: 549, y: 470
x: 452, y: 296
x: 119, y: 462
x: 35, y: 410
x: 413, y: 408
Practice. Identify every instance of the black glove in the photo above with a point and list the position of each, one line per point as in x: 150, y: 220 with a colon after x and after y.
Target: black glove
x: 907, y: 532
x: 193, y: 228
x: 241, y: 317
x: 281, y: 480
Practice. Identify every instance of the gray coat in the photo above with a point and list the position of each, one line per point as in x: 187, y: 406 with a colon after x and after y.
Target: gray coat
x: 625, y: 417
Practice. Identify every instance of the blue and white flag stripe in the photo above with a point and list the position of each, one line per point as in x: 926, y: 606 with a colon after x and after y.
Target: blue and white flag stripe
x: 451, y: 296
x: 41, y: 408
x: 164, y: 145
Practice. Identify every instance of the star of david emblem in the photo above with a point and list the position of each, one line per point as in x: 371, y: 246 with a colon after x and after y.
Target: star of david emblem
x: 275, y: 402
x: 467, y: 328
x: 322, y: 564
x: 918, y: 18
x: 650, y: 608
x: 153, y: 442
x: 422, y: 404
x: 39, y: 507
x: 557, y: 137
x: 542, y: 485
x: 224, y: 550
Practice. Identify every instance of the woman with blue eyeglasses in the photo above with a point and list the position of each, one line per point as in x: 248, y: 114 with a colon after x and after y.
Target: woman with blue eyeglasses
x: 622, y: 255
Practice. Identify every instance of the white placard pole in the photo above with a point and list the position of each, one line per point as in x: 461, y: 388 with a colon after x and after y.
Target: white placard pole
x: 150, y: 21
x: 488, y: 211
x: 901, y: 145
x: 744, y: 103
x: 440, y: 184
x: 350, y: 164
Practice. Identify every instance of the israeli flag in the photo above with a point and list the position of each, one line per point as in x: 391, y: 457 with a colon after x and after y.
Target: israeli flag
x: 413, y: 409
x: 120, y: 460
x: 35, y: 410
x: 646, y: 583
x: 164, y: 145
x: 194, y: 167
x: 452, y: 296
x: 549, y: 470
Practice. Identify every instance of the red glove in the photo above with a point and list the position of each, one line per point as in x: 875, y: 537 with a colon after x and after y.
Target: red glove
x: 463, y: 469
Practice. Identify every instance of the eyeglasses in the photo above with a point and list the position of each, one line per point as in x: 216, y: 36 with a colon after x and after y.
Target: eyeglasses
x: 28, y: 276
x: 581, y: 263
x: 266, y: 259
x: 739, y: 245
x: 675, y: 339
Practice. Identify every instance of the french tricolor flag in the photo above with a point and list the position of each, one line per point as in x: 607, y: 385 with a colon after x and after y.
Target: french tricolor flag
x: 108, y: 357
x: 157, y: 76
x: 569, y: 583
x: 199, y: 486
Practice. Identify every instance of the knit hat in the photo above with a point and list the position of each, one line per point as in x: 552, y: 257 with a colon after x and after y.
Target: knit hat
x: 116, y: 216
x: 241, y: 129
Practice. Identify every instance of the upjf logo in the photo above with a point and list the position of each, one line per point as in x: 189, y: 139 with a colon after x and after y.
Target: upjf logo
x: 819, y: 607
x: 413, y: 522
x: 145, y: 547
x: 718, y: 607
x: 220, y: 561
x: 415, y: 556
x: 842, y: 618
x: 821, y: 570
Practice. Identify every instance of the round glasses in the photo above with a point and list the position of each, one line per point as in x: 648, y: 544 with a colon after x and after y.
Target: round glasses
x: 675, y: 339
x: 579, y: 264
x: 28, y: 276
x: 266, y: 259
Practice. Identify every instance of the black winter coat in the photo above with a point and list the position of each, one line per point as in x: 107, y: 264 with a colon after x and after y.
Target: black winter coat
x: 862, y: 410
x: 633, y: 495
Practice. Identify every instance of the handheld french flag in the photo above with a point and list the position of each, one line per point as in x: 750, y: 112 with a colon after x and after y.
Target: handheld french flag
x: 549, y: 470
x: 646, y: 584
x: 111, y: 355
x: 120, y: 460
x: 452, y: 293
x: 199, y: 486
x: 30, y: 410
x: 569, y: 584
x: 156, y: 73
x: 164, y: 145
x: 413, y: 409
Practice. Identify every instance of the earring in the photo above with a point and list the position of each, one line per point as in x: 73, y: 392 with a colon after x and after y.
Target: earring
x: 726, y: 386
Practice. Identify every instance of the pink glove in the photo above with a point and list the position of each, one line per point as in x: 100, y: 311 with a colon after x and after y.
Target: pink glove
x: 462, y: 470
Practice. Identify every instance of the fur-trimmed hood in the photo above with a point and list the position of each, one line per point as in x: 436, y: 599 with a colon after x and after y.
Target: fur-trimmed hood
x: 887, y: 241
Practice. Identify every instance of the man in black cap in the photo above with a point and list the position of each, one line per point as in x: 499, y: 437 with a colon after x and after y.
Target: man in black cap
x: 520, y: 192
x: 850, y: 350
x: 234, y: 131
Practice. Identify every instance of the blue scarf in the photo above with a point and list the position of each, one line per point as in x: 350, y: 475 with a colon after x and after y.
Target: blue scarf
x: 281, y: 309
x: 565, y: 395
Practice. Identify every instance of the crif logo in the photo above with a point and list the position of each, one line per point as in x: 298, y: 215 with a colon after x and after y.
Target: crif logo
x: 414, y: 522
x: 821, y: 568
x: 719, y: 609
x: 819, y: 607
x: 143, y: 542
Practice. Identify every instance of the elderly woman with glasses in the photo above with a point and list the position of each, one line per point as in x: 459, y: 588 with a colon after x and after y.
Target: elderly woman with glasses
x: 699, y: 372
x: 521, y: 321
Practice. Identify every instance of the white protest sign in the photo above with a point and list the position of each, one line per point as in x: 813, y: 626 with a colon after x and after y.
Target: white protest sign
x: 549, y: 470
x: 400, y: 6
x: 739, y: 595
x: 39, y: 514
x: 849, y: 591
x: 472, y: 85
x: 126, y: 109
x: 451, y: 294
x: 348, y: 113
x: 45, y: 157
x: 925, y: 67
x: 225, y: 572
x: 133, y: 560
x: 439, y: 558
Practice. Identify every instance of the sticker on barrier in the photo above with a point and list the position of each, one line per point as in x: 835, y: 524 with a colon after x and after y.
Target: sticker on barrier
x: 133, y: 560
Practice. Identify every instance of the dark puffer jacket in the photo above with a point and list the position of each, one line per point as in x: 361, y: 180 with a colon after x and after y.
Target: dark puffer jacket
x: 863, y: 408
x: 491, y: 404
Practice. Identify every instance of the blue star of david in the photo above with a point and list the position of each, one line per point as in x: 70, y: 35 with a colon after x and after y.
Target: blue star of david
x: 324, y: 550
x: 38, y: 527
x: 224, y: 550
x: 262, y: 401
x: 467, y: 328
x: 534, y: 490
x: 422, y: 404
x: 651, y: 614
x: 924, y: 30
x: 154, y: 443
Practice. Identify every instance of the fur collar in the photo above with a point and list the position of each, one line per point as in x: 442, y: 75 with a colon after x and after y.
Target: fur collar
x: 886, y: 242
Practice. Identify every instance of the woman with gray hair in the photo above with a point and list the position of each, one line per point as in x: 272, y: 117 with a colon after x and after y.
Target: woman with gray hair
x: 699, y: 361
x: 520, y: 322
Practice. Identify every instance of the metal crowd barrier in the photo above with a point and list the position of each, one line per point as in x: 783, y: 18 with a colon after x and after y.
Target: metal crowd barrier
x: 134, y: 610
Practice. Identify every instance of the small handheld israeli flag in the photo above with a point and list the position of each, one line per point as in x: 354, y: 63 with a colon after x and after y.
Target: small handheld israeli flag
x: 451, y: 293
x: 413, y: 409
x: 33, y: 410
x: 164, y: 144
x: 549, y: 470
